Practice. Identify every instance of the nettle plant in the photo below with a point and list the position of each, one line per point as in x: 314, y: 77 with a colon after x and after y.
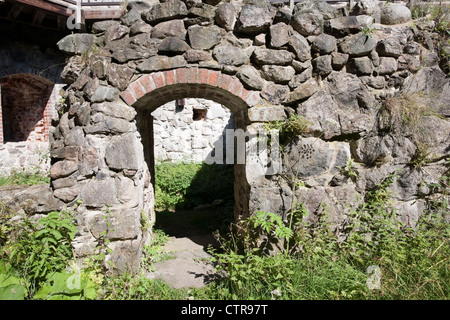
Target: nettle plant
x: 43, y: 247
x: 37, y: 260
x: 268, y: 254
x: 33, y: 251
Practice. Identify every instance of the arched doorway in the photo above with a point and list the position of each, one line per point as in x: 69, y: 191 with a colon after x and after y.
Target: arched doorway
x: 102, y: 155
x: 153, y: 90
x: 194, y: 198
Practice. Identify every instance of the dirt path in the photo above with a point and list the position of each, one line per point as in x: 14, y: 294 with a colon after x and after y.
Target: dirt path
x: 190, y: 234
x: 188, y: 269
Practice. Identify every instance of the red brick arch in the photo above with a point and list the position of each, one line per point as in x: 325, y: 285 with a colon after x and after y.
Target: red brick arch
x: 155, y: 89
x: 36, y: 107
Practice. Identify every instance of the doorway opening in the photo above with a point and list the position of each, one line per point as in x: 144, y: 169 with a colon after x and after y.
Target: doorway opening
x: 193, y: 199
x: 151, y: 91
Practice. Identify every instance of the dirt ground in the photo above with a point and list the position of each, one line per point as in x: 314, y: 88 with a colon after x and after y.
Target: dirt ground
x: 190, y: 234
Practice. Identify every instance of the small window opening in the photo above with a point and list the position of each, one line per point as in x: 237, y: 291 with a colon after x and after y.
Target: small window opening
x: 199, y: 114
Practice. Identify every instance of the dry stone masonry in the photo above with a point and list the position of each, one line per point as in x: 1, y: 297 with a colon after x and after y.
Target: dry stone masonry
x: 26, y: 156
x: 347, y: 71
x: 188, y: 132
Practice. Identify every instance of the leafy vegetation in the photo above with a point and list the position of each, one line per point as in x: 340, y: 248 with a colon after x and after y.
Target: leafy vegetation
x: 407, y: 115
x: 437, y: 15
x: 309, y: 262
x: 154, y: 253
x: 289, y: 129
x: 186, y: 185
x: 67, y: 286
x: 43, y: 247
x: 33, y: 251
x: 24, y: 178
x: 264, y: 257
x: 367, y: 31
x: 11, y: 287
x: 349, y: 170
x: 36, y: 262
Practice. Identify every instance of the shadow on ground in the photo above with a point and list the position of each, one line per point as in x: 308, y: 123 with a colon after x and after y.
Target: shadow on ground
x: 205, y: 210
x: 199, y: 225
x: 191, y: 234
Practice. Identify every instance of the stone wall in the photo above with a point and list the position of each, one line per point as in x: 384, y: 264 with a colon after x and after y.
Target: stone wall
x: 179, y: 136
x: 353, y: 80
x: 30, y: 88
x: 25, y: 128
x: 24, y: 156
x: 17, y: 57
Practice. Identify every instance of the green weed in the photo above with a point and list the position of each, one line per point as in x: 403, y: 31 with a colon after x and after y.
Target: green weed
x: 367, y: 31
x: 289, y: 129
x: 42, y: 248
x: 408, y: 263
x: 349, y: 170
x: 153, y: 253
x: 268, y: 257
x: 186, y: 185
x: 24, y: 178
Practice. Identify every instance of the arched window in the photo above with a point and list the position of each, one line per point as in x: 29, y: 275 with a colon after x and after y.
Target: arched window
x: 25, y: 101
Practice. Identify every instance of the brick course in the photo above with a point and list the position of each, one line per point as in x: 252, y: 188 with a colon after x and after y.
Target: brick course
x: 29, y: 114
x: 206, y: 84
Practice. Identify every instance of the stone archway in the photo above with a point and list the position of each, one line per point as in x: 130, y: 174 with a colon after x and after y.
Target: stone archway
x: 101, y: 156
x: 154, y: 90
x: 123, y: 71
x: 262, y: 61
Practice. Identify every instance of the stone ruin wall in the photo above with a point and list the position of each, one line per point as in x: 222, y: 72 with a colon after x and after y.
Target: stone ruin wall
x: 179, y: 136
x: 24, y: 156
x: 32, y: 88
x: 337, y: 69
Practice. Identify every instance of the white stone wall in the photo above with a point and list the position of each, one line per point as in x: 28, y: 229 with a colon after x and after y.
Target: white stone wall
x: 178, y: 137
x: 24, y: 156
